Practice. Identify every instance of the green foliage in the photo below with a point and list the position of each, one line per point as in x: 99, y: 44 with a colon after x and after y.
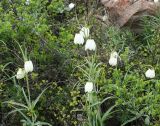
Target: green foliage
x: 56, y: 6
x: 33, y: 27
x: 46, y: 29
x: 133, y: 91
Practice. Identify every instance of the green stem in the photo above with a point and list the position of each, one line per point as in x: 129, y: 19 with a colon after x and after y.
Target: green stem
x: 89, y: 111
x: 28, y: 89
x: 29, y: 97
x: 87, y: 54
x: 23, y: 54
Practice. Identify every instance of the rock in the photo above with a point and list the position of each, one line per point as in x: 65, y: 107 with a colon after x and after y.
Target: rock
x: 122, y: 11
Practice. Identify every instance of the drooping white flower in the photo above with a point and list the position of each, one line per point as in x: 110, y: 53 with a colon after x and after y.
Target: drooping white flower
x: 105, y: 17
x: 156, y: 1
x: 150, y: 73
x: 28, y: 66
x: 84, y: 32
x: 114, y: 54
x: 27, y: 2
x: 88, y: 87
x: 113, y: 59
x: 20, y: 73
x: 90, y: 45
x: 78, y: 39
x: 71, y: 6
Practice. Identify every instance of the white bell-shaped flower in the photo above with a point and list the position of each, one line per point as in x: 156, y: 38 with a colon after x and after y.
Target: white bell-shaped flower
x: 28, y: 66
x: 71, y: 6
x: 88, y: 87
x: 27, y: 2
x: 90, y: 45
x: 113, y: 59
x: 105, y: 17
x: 150, y: 73
x: 156, y: 1
x: 114, y: 54
x: 85, y: 32
x: 78, y: 39
x: 20, y: 73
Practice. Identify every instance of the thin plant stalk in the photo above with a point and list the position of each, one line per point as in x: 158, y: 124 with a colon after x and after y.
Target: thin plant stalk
x: 28, y: 88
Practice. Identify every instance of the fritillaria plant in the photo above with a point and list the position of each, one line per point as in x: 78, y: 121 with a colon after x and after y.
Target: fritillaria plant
x: 91, y: 71
x: 27, y: 109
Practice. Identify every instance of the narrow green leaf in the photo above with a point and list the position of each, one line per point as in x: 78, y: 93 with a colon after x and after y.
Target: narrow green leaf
x: 14, y: 111
x: 131, y: 120
x: 16, y: 103
x: 42, y: 123
x: 25, y: 96
x: 106, y: 114
x: 6, y: 66
x: 23, y: 115
x: 107, y: 99
x: 37, y: 99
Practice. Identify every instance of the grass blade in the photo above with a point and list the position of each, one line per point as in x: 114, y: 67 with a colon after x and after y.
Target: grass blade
x: 37, y: 99
x: 25, y: 96
x: 16, y: 103
x: 106, y: 114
